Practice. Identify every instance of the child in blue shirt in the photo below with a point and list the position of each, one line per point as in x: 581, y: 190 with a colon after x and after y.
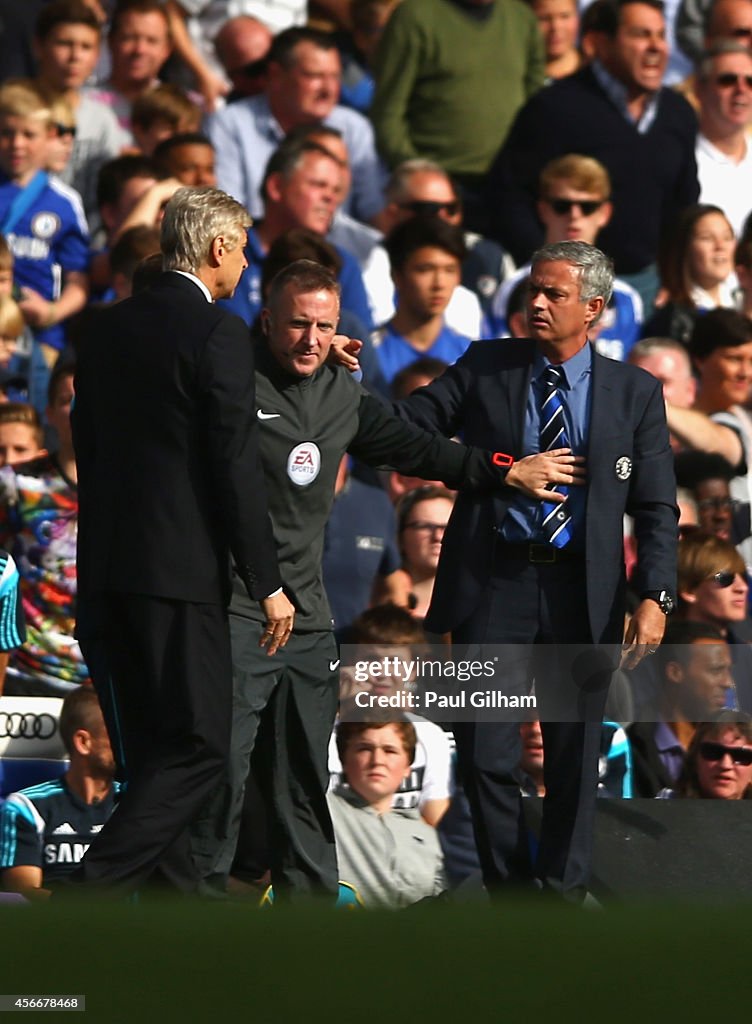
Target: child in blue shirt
x: 426, y: 256
x: 43, y: 222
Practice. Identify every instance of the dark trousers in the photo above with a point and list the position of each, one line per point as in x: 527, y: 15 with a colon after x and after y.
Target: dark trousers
x: 542, y: 610
x: 283, y: 714
x: 163, y: 673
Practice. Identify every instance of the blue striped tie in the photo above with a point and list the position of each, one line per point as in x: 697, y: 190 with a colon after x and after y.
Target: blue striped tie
x: 557, y: 521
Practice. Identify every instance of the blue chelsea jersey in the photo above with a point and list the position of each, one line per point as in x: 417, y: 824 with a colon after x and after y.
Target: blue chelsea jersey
x: 50, y: 239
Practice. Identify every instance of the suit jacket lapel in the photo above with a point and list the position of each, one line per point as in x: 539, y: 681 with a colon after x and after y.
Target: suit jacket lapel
x: 516, y: 386
x: 601, y: 405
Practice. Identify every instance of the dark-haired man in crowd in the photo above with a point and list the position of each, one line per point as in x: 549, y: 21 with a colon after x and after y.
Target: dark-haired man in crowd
x: 46, y: 829
x: 694, y: 668
x: 426, y: 259
x: 302, y: 87
x: 189, y: 157
x: 707, y: 477
x: 644, y: 137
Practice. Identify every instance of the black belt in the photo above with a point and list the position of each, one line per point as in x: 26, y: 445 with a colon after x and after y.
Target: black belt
x: 536, y: 554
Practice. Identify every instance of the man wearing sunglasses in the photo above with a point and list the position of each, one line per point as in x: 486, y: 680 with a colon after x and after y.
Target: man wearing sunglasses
x: 420, y: 188
x: 242, y: 46
x: 724, y: 156
x: 575, y: 203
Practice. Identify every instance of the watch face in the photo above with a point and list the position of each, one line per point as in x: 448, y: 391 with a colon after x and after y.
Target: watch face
x: 666, y: 603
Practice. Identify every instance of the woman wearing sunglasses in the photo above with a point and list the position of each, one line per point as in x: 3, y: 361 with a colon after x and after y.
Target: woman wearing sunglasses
x: 712, y: 583
x: 697, y: 272
x: 713, y: 588
x: 719, y: 761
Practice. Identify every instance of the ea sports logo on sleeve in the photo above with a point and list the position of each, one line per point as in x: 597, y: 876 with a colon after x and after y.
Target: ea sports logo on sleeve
x: 304, y: 463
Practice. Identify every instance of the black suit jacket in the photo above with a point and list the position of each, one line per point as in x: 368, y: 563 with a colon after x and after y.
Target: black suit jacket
x: 483, y: 397
x: 166, y: 439
x: 653, y: 174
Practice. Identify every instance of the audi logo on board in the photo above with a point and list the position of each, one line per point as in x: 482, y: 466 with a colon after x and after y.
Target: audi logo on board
x: 28, y: 725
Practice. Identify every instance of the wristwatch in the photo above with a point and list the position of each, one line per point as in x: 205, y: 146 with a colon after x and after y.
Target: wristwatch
x: 662, y: 598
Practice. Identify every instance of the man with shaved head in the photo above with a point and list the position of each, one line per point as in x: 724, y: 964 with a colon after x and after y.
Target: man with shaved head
x: 242, y: 46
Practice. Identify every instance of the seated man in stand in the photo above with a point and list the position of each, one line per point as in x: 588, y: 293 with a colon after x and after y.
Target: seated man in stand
x: 45, y: 830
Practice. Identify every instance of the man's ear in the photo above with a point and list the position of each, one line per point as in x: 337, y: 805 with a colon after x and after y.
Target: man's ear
x: 217, y: 251
x: 594, y: 309
x: 266, y: 321
x: 605, y: 214
x: 674, y: 672
x: 273, y: 188
x: 81, y: 740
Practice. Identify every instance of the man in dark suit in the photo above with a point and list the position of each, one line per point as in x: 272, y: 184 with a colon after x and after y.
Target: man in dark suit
x: 170, y: 484
x: 527, y: 572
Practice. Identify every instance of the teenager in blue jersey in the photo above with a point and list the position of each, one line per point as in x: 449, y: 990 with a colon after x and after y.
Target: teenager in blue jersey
x: 426, y: 256
x: 574, y: 205
x: 44, y: 224
x: 46, y: 829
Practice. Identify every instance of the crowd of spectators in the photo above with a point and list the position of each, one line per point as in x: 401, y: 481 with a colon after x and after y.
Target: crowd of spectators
x: 421, y: 149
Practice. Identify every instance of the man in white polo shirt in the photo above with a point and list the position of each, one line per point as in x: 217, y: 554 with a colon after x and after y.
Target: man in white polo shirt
x: 724, y: 155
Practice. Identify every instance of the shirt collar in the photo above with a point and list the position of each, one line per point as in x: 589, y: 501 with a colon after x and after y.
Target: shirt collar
x: 706, y: 146
x: 617, y: 93
x: 665, y: 738
x: 573, y: 369
x: 266, y: 122
x: 199, y: 283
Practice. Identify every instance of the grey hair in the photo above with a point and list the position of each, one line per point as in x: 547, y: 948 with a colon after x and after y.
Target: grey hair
x: 596, y: 269
x: 719, y: 49
x: 396, y: 189
x: 649, y: 346
x: 193, y: 218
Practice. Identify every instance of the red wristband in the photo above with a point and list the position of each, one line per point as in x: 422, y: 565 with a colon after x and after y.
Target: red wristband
x: 502, y: 459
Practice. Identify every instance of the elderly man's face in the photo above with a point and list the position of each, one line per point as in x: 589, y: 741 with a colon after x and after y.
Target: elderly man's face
x: 673, y: 370
x: 556, y: 315
x: 312, y: 192
x: 638, y: 54
x: 300, y: 327
x: 726, y: 94
x: 310, y: 87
